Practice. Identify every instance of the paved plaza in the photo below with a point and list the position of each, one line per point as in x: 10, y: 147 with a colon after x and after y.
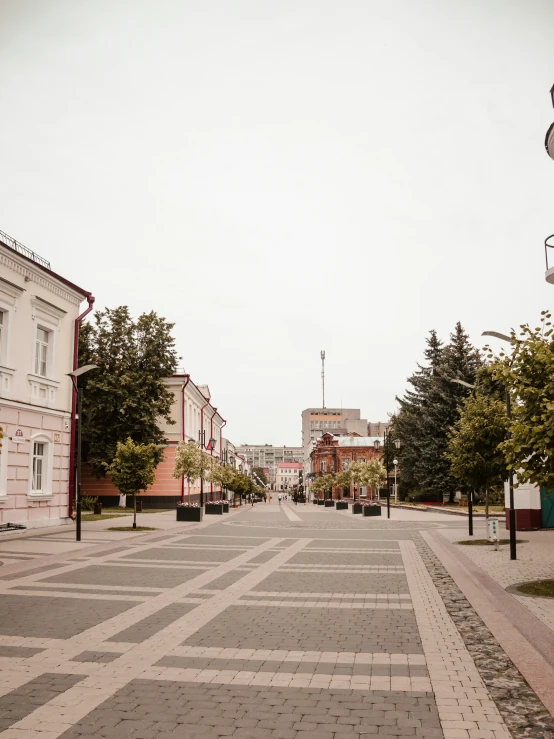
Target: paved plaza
x: 277, y: 621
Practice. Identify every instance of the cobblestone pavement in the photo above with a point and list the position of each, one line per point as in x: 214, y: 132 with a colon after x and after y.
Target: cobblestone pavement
x: 272, y: 622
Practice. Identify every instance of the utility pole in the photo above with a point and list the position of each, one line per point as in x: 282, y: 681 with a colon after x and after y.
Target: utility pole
x: 323, y: 376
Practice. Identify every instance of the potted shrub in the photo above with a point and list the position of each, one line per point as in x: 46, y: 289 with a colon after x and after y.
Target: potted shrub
x: 214, y: 509
x: 341, y: 505
x: 371, y: 508
x: 357, y: 507
x: 320, y: 501
x: 329, y: 503
x: 314, y: 501
x: 189, y: 512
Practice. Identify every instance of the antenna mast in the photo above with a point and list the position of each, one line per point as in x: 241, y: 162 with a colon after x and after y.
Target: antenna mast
x: 323, y: 376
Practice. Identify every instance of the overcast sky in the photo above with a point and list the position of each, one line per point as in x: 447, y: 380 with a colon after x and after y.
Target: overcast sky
x: 283, y: 177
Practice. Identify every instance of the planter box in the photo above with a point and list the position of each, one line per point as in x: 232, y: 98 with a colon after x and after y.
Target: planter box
x: 341, y: 505
x: 329, y: 504
x: 372, y: 510
x: 314, y: 501
x: 357, y: 508
x: 226, y: 508
x: 214, y: 509
x: 321, y: 502
x: 185, y: 513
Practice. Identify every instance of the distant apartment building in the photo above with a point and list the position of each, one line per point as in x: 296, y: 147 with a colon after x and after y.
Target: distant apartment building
x: 377, y: 428
x: 316, y: 421
x: 268, y: 456
x: 287, y: 475
x: 39, y: 329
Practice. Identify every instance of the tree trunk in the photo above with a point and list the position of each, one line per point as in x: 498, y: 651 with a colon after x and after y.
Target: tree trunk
x: 188, y: 489
x: 134, y: 511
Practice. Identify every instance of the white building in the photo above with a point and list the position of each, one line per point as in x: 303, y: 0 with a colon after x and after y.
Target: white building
x: 287, y: 476
x: 39, y: 325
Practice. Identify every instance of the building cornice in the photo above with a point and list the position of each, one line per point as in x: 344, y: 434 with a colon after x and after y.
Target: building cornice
x: 26, y: 268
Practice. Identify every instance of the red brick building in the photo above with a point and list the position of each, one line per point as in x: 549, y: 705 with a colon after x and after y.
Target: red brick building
x: 332, y: 454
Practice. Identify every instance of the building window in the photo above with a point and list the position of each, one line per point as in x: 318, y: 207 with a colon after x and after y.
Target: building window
x: 41, y: 352
x: 322, y: 466
x: 39, y: 467
x: 345, y: 463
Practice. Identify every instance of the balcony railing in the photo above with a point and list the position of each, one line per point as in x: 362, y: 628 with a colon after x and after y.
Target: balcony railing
x: 22, y: 249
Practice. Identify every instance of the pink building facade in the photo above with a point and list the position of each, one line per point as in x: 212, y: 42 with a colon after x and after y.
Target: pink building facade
x: 39, y: 317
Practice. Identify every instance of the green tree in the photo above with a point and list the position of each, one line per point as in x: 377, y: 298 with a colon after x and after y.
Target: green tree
x: 323, y: 484
x: 187, y: 463
x: 475, y: 444
x: 261, y: 474
x: 126, y: 397
x: 372, y: 474
x: 429, y: 411
x: 133, y: 469
x: 222, y: 475
x: 343, y: 480
x: 527, y: 371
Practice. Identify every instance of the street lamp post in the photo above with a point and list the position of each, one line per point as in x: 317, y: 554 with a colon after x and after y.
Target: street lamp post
x: 79, y: 391
x: 470, y: 494
x: 395, y: 462
x: 512, y: 510
x: 387, y: 443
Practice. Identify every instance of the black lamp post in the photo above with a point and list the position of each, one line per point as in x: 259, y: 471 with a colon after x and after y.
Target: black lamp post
x: 387, y: 444
x: 512, y: 510
x: 79, y: 391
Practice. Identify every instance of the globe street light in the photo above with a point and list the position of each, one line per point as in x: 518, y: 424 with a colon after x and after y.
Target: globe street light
x: 79, y: 392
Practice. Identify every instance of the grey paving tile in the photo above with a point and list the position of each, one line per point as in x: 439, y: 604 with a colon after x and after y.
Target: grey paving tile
x: 334, y: 582
x: 148, y: 709
x: 19, y: 703
x: 57, y: 618
x: 157, y: 577
x: 7, y: 651
x: 174, y: 554
x: 96, y: 657
x: 152, y: 624
x: 86, y: 591
x: 265, y: 627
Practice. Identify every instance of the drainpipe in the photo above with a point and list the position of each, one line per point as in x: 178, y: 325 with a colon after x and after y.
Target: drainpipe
x: 90, y: 300
x: 211, y: 448
x: 201, y: 442
x: 221, y: 447
x: 183, y: 416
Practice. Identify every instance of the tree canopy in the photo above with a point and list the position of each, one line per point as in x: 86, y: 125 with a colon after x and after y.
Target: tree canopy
x: 527, y: 371
x: 132, y: 469
x: 126, y: 397
x: 429, y: 409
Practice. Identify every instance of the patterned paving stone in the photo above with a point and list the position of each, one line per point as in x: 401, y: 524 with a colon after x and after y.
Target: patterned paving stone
x: 92, y: 591
x: 157, y: 710
x: 144, y: 629
x: 258, y: 627
x: 346, y: 559
x: 58, y: 618
x: 24, y: 652
x: 176, y: 554
x: 19, y: 703
x: 96, y: 657
x: 323, y: 582
x: 128, y: 575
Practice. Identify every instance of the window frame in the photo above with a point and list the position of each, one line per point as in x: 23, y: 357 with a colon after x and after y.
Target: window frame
x: 47, y: 467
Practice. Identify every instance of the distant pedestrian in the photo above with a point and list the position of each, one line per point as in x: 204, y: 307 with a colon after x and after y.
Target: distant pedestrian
x: 279, y: 498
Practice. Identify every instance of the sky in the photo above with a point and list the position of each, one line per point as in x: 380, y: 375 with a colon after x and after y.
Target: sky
x: 278, y: 178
